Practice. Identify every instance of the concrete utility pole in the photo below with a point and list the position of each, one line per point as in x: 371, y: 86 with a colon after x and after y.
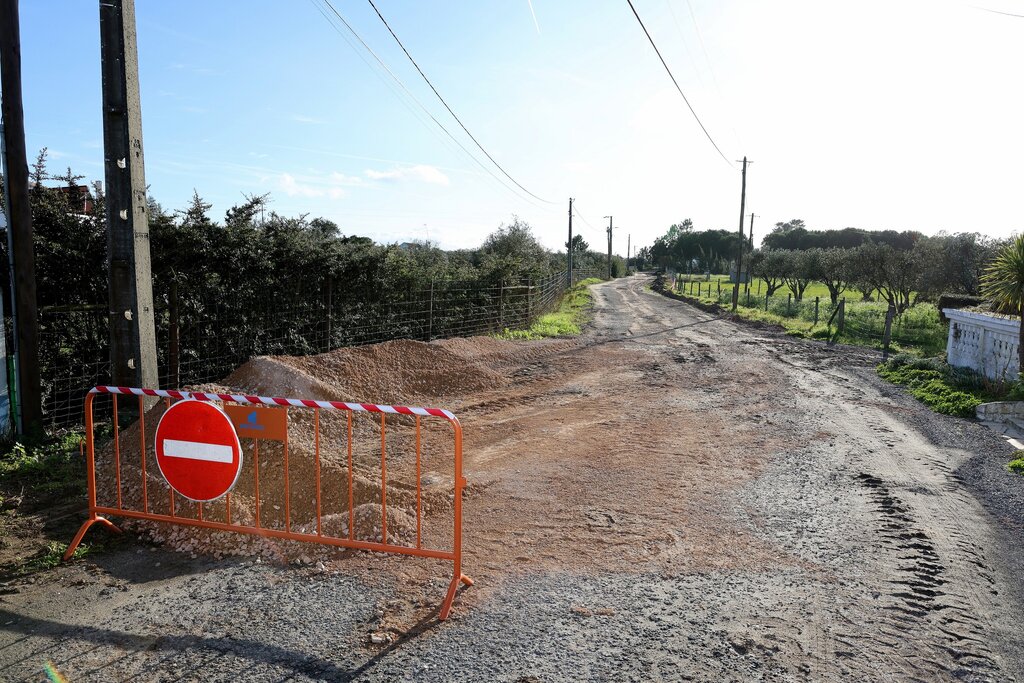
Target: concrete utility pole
x: 20, y: 239
x: 610, y: 228
x: 739, y: 255
x: 629, y: 238
x: 130, y: 285
x: 569, y: 245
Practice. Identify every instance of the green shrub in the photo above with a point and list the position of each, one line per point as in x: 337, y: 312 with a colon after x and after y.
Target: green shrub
x: 935, y: 384
x: 1017, y: 464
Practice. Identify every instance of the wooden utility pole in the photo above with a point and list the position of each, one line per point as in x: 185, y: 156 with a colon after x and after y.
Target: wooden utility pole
x: 739, y: 254
x: 569, y: 245
x: 26, y: 338
x: 629, y: 238
x: 750, y: 248
x: 609, y: 246
x: 130, y: 285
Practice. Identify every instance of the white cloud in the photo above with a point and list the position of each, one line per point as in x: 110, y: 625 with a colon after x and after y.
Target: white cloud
x: 332, y: 185
x: 301, y: 118
x: 421, y: 172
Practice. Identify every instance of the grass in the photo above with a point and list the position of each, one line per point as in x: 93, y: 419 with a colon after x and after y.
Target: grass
x: 919, y: 330
x: 572, y: 313
x: 943, y: 388
x: 50, y: 469
x: 758, y: 288
x: 1016, y: 464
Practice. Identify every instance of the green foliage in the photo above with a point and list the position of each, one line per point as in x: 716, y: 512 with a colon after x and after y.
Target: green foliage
x: 1003, y: 280
x: 1016, y: 463
x: 572, y: 313
x: 933, y: 383
x: 49, y: 469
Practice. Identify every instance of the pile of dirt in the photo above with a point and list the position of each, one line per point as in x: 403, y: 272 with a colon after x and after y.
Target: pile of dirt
x: 394, y: 372
x: 401, y: 372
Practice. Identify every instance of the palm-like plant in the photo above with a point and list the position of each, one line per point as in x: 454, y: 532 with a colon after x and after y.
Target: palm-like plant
x: 1003, y: 282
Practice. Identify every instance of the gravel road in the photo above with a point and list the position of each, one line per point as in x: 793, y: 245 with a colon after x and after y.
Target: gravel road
x: 673, y: 496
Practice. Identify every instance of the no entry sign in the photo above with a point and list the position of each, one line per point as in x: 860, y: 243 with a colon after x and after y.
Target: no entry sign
x: 197, y: 450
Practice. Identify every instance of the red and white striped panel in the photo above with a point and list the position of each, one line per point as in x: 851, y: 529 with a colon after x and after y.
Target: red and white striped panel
x: 276, y: 401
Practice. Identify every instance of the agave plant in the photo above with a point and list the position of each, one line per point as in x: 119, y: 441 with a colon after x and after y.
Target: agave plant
x: 1003, y: 282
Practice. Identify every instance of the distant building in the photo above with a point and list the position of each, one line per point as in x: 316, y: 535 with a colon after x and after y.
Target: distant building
x: 79, y: 197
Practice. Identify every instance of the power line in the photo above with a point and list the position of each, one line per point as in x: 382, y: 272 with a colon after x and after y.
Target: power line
x: 576, y: 210
x: 674, y: 82
x: 454, y: 116
x: 405, y: 89
x: 1005, y: 14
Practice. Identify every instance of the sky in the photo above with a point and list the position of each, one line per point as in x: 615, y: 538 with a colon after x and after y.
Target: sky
x: 877, y: 114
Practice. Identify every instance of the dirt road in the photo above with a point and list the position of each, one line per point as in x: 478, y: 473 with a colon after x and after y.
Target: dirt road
x: 670, y: 497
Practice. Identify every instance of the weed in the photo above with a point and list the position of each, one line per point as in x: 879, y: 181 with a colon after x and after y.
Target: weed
x: 47, y: 469
x: 565, y: 322
x: 944, y: 389
x: 1016, y: 465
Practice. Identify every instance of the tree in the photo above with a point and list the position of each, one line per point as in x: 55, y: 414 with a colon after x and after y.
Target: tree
x: 831, y: 267
x: 770, y: 265
x: 799, y: 270
x: 1003, y: 281
x: 579, y: 245
x: 893, y: 272
x: 953, y: 263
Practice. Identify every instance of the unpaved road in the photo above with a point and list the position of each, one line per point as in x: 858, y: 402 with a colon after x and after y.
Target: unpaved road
x: 670, y: 497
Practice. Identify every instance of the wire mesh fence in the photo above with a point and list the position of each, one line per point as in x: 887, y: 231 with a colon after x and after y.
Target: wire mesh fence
x: 201, y: 340
x: 917, y: 327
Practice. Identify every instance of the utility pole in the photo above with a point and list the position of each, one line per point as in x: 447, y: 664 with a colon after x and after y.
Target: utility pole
x: 739, y: 255
x: 610, y: 228
x: 629, y: 238
x: 19, y: 211
x: 750, y: 247
x: 130, y: 284
x: 568, y: 248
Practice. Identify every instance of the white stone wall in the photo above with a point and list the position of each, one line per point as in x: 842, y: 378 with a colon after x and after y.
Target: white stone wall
x: 986, y: 343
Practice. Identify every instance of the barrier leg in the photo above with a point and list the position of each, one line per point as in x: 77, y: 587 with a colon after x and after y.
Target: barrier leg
x: 446, y: 606
x: 81, y: 533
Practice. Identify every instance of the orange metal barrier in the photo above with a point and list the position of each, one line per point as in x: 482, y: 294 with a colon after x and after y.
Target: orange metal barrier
x: 129, y: 489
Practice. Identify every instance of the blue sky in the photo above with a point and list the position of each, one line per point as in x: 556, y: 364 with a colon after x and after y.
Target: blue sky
x: 878, y: 114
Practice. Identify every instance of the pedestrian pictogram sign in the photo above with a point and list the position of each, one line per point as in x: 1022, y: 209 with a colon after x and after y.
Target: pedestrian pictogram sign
x: 254, y: 422
x: 197, y: 450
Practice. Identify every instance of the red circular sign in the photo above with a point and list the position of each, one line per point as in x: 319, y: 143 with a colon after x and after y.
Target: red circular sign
x: 197, y: 450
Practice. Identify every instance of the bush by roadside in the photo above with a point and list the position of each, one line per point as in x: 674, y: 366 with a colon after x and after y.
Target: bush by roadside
x: 944, y: 388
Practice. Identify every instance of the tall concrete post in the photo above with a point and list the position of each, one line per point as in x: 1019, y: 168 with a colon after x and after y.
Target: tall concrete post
x: 132, y: 328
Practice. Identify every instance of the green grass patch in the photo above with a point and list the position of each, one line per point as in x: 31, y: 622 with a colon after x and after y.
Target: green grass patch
x: 572, y: 314
x: 47, y: 469
x: 944, y: 389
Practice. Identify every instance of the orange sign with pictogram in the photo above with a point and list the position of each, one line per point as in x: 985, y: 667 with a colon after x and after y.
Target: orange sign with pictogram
x: 252, y: 422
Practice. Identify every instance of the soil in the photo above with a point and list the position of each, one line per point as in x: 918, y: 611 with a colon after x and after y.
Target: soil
x: 670, y: 496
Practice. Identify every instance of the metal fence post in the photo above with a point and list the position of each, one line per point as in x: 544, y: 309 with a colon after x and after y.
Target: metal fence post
x: 330, y: 314
x: 529, y: 301
x: 174, y: 341
x: 817, y: 302
x: 430, y: 313
x: 501, y: 305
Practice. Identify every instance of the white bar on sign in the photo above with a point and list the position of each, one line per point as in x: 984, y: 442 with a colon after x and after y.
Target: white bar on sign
x: 195, y: 450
